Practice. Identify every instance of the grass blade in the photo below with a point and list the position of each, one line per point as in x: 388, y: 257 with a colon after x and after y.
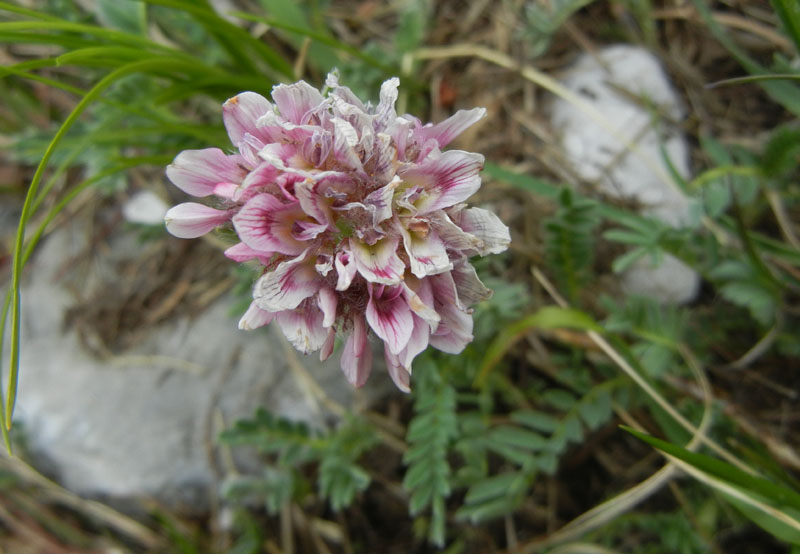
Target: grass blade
x: 129, y: 69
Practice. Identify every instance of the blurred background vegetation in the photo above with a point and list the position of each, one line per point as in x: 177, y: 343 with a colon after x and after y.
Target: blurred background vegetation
x: 515, y: 445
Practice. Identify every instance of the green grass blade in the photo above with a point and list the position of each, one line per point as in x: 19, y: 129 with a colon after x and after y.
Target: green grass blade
x: 119, y: 37
x: 230, y: 36
x: 26, y: 12
x: 784, y: 93
x: 789, y: 13
x: 548, y: 317
x: 321, y: 38
x: 136, y: 67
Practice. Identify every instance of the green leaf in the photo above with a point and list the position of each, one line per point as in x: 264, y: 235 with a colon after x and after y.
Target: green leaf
x: 535, y: 420
x: 430, y: 435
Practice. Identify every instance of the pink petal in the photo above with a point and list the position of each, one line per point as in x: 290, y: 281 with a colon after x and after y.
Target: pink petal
x: 265, y: 223
x: 255, y: 317
x: 445, y: 131
x: 296, y: 100
x: 303, y: 327
x: 240, y: 114
x: 288, y: 285
x: 378, y: 263
x: 455, y: 328
x: 240, y: 252
x: 426, y: 251
x: 389, y: 316
x: 327, y: 301
x: 398, y: 373
x: 447, y: 179
x: 197, y: 172
x: 416, y: 344
x: 327, y: 348
x: 357, y: 355
x: 345, y: 269
x: 191, y: 220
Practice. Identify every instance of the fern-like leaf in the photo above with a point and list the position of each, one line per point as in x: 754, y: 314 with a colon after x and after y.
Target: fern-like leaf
x: 430, y: 434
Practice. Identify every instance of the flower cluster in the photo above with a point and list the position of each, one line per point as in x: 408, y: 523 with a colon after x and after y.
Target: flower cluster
x: 356, y: 216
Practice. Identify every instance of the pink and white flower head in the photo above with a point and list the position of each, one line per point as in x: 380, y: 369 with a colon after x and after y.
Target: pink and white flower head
x: 357, y: 217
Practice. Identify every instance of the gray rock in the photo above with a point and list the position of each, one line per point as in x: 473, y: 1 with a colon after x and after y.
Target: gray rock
x: 610, y: 81
x: 143, y: 424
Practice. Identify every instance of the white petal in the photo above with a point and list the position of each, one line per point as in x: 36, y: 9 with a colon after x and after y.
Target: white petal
x: 378, y: 263
x: 470, y: 288
x: 345, y: 269
x: 426, y: 254
x: 285, y: 287
x: 255, y: 317
x: 303, y: 327
x: 486, y: 226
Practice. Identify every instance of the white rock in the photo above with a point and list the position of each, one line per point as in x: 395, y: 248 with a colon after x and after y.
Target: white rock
x: 610, y: 81
x: 145, y: 207
x: 140, y: 429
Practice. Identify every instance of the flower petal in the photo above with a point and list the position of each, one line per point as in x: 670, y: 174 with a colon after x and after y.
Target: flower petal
x: 389, y: 316
x: 384, y: 112
x: 455, y: 328
x: 378, y: 263
x: 255, y: 317
x: 327, y: 300
x: 356, y: 359
x: 240, y: 114
x: 265, y: 223
x: 447, y: 179
x: 426, y: 252
x: 285, y: 287
x: 345, y: 269
x: 398, y: 373
x: 296, y: 100
x: 191, y: 220
x: 416, y: 344
x: 445, y: 131
x: 419, y: 296
x: 469, y: 287
x: 453, y: 236
x: 327, y: 348
x: 303, y: 327
x: 486, y: 226
x: 197, y: 172
x: 345, y: 138
x: 240, y: 252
